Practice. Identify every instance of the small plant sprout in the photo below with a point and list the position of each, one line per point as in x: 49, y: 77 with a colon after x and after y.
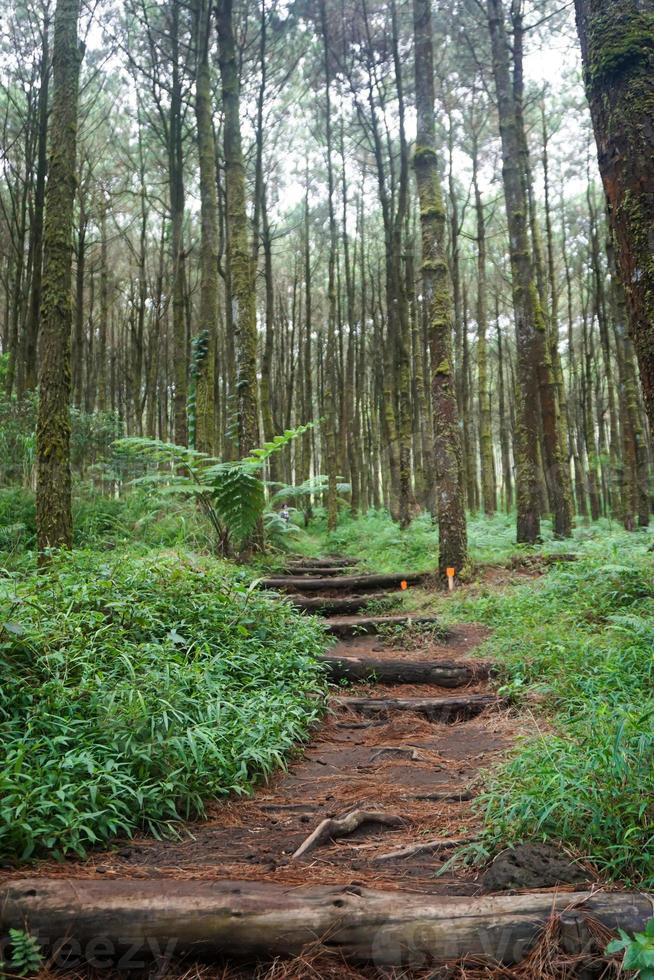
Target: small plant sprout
x: 638, y: 951
x: 26, y: 956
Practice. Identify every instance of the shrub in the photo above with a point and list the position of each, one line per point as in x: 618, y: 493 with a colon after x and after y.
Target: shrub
x: 584, y: 636
x: 136, y: 688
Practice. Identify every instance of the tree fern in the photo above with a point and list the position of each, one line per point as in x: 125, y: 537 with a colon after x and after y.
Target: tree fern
x: 232, y: 494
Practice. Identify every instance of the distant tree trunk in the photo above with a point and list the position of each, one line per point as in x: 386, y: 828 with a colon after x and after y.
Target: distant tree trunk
x: 54, y: 522
x: 528, y: 314
x: 330, y: 381
x: 205, y: 407
x: 437, y: 297
x: 617, y: 46
x: 504, y: 435
x: 103, y: 332
x: 239, y: 252
x: 485, y: 427
x: 176, y: 196
x: 29, y: 370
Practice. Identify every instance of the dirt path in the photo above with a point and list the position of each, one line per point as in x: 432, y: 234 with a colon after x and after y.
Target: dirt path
x: 407, y: 751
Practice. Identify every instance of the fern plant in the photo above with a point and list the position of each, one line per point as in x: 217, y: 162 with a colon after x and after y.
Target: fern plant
x: 26, y: 955
x: 232, y: 494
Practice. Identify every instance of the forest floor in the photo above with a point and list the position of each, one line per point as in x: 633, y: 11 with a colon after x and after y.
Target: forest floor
x: 411, y: 753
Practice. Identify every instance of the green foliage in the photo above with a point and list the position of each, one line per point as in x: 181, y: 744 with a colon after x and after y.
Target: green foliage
x: 379, y: 542
x: 582, y: 637
x: 92, y: 434
x: 231, y: 493
x: 315, y: 486
x: 638, y: 951
x: 135, y: 688
x: 26, y: 956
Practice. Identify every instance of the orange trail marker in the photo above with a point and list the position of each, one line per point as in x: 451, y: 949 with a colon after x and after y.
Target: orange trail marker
x: 404, y: 584
x: 451, y: 572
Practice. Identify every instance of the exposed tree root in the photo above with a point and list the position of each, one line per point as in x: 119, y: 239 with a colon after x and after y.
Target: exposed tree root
x: 341, y: 826
x: 426, y: 847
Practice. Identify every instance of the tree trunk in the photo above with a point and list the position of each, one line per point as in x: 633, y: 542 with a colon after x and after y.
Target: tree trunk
x: 54, y: 521
x: 205, y: 382
x: 243, y: 305
x: 254, y: 919
x: 617, y: 46
x: 528, y: 314
x: 29, y: 367
x: 437, y: 297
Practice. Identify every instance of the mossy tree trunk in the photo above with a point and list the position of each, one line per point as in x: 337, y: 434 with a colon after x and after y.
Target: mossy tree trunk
x: 617, y: 46
x: 437, y: 297
x: 176, y: 194
x: 330, y: 384
x: 28, y: 368
x: 54, y: 523
x: 243, y: 298
x: 485, y: 419
x: 526, y: 303
x: 205, y: 382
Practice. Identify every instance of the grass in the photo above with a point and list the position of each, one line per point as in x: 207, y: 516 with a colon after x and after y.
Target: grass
x: 135, y: 688
x: 582, y: 639
x: 143, y: 680
x: 383, y: 547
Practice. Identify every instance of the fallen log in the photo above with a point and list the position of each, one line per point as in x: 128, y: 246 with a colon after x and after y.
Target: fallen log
x: 324, y: 605
x: 446, y: 710
x: 349, y: 626
x: 138, y: 920
x: 322, y: 562
x: 445, y: 673
x: 341, y: 826
x: 346, y: 583
x: 309, y: 571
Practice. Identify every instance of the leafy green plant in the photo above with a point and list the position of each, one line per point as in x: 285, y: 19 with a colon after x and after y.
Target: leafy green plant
x: 26, y: 956
x: 135, y: 687
x: 638, y: 951
x: 232, y: 494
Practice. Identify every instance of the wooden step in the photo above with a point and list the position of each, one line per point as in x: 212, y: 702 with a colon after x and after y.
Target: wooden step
x: 313, y: 572
x: 444, y: 673
x: 344, y: 583
x: 254, y: 919
x: 445, y: 710
x: 328, y: 562
x: 351, y: 626
x: 325, y: 605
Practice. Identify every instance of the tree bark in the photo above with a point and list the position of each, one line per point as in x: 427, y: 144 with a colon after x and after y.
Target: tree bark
x: 437, y: 297
x: 54, y: 521
x: 528, y: 314
x: 205, y: 407
x: 617, y: 47
x: 251, y: 919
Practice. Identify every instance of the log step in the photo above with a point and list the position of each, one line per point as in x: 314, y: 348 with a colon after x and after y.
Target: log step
x: 250, y: 919
x: 328, y: 562
x: 444, y: 673
x: 350, y: 626
x: 445, y: 710
x: 343, y: 583
x: 313, y: 572
x: 324, y: 605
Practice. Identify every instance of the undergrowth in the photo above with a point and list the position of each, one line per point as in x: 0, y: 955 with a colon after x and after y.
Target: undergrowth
x: 582, y: 637
x: 135, y: 688
x: 383, y: 547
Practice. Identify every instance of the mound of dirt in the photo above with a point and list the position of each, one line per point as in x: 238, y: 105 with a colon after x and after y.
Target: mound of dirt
x: 533, y: 866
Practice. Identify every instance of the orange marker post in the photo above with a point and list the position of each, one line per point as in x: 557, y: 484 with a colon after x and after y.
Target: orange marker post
x: 404, y: 584
x: 451, y: 572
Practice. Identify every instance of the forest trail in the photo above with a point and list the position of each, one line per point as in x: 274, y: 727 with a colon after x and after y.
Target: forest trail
x: 373, y: 807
